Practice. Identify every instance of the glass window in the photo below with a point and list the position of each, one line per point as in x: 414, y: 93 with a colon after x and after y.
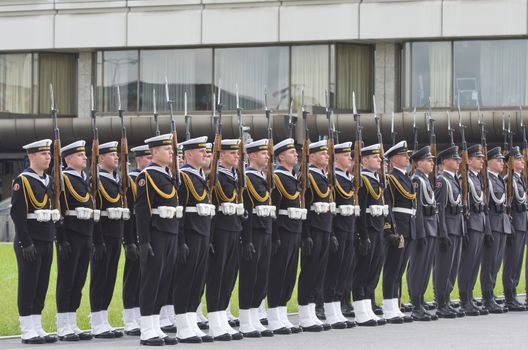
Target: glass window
x: 355, y: 72
x: 61, y: 71
x: 253, y: 69
x: 15, y: 83
x: 431, y: 74
x: 310, y: 68
x: 493, y: 72
x: 117, y: 68
x: 189, y: 71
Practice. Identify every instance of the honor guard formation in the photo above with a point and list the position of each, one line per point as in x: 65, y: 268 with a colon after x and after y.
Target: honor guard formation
x: 195, y: 215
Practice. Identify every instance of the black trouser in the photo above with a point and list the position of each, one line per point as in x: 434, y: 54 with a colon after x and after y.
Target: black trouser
x: 337, y: 266
x: 103, y: 275
x: 368, y: 267
x: 190, y: 277
x: 253, y: 275
x: 131, y: 277
x: 33, y: 278
x: 71, y: 273
x: 470, y: 263
x: 393, y: 269
x: 154, y: 285
x: 420, y: 265
x: 513, y: 259
x: 447, y: 262
x: 283, y: 269
x: 222, y: 269
x: 313, y: 268
x: 491, y: 261
x: 346, y: 271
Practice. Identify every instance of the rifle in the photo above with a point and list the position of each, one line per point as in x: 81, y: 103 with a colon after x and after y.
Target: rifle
x: 241, y: 161
x: 217, y: 118
x: 175, y: 167
x: 123, y: 157
x: 377, y: 119
x: 450, y: 130
x: 415, y: 138
x: 504, y: 144
x: 483, y: 142
x: 525, y: 147
x: 432, y: 143
x: 305, y: 153
x: 94, y: 168
x: 509, y: 178
x: 58, y: 181
x: 271, y: 161
x: 156, y: 116
x: 464, y: 166
x: 393, y: 133
x: 291, y: 122
x: 358, y: 145
x: 330, y: 146
x: 187, y: 118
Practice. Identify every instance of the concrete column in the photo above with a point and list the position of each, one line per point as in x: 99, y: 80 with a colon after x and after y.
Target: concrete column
x: 386, y: 68
x: 84, y: 80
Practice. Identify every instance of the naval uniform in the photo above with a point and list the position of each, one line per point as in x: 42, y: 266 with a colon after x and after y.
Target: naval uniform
x: 318, y: 228
x: 31, y: 192
x: 422, y: 245
x: 287, y: 231
x: 155, y: 188
x: 72, y: 269
x: 225, y: 240
x: 194, y: 232
x: 341, y: 263
x: 451, y: 228
x: 253, y: 275
x: 107, y: 233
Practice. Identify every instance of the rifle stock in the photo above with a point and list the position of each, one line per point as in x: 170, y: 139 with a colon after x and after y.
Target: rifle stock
x: 123, y: 158
x: 213, y: 173
x: 305, y: 154
x: 175, y: 167
x: 358, y: 144
x: 58, y: 181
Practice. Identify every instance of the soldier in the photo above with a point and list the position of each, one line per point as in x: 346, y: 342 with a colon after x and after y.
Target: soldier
x: 74, y: 241
x: 402, y: 203
x: 450, y: 231
x: 156, y: 214
x: 225, y: 239
x: 193, y: 243
x: 131, y: 275
x: 513, y: 255
x: 317, y: 238
x: 477, y: 227
x: 255, y: 249
x: 286, y: 236
x: 33, y: 217
x: 500, y: 225
x: 107, y: 240
x: 370, y: 237
x: 341, y: 263
x: 422, y: 243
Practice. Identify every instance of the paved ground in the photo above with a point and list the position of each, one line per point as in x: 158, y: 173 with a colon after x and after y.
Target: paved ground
x: 485, y: 332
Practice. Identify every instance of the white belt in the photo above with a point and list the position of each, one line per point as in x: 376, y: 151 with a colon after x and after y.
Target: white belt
x: 44, y: 215
x: 377, y: 210
x: 210, y: 212
x: 168, y: 212
x: 283, y: 212
x: 293, y: 213
x: 404, y: 211
x: 191, y: 209
x: 32, y: 216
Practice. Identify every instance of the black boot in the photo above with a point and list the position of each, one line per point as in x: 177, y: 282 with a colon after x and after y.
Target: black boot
x: 418, y: 312
x: 319, y: 312
x: 490, y: 304
x: 443, y: 310
x: 434, y: 317
x: 511, y: 301
x: 467, y: 306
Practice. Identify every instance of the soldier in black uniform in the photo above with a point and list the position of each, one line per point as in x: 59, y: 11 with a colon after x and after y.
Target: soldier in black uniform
x: 422, y: 243
x: 478, y: 226
x: 370, y: 227
x: 32, y: 215
x: 501, y: 228
x: 131, y: 275
x: 341, y: 262
x: 513, y: 255
x: 74, y: 241
x: 156, y: 215
x: 317, y: 237
x: 225, y: 239
x: 193, y: 243
x: 107, y: 240
x: 402, y: 206
x: 255, y: 249
x: 451, y: 229
x: 286, y: 236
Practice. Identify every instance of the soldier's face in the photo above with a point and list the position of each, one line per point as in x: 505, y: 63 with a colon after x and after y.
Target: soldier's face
x: 197, y: 157
x: 476, y: 163
x: 229, y: 159
x: 77, y: 160
x: 372, y: 162
x: 451, y: 164
x: 162, y: 155
x: 260, y: 158
x: 143, y: 161
x: 518, y: 164
x: 109, y: 160
x: 289, y: 157
x: 344, y: 160
x: 426, y: 166
x: 40, y: 160
x: 400, y: 160
x: 319, y: 159
x: 495, y: 165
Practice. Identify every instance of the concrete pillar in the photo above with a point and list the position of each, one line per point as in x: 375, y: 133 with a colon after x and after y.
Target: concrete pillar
x: 386, y: 68
x: 84, y: 80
